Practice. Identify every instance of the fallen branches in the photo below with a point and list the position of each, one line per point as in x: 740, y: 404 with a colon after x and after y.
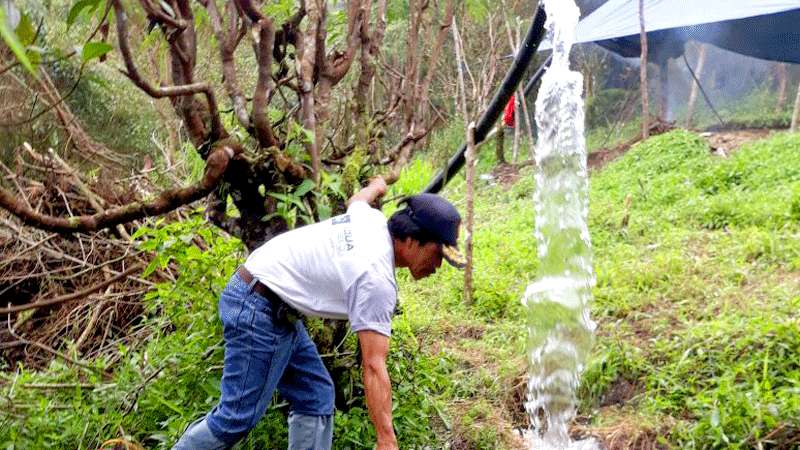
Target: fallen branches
x: 169, y: 200
x: 74, y: 296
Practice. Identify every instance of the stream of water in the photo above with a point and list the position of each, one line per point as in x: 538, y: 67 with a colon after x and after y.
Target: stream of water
x: 560, y: 331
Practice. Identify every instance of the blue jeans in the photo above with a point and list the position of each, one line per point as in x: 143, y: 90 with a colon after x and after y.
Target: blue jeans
x: 263, y: 353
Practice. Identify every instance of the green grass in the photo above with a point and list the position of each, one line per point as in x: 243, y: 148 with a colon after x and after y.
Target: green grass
x: 696, y: 302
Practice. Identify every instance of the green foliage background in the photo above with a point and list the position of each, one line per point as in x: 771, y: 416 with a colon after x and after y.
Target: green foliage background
x: 696, y: 299
x: 696, y: 302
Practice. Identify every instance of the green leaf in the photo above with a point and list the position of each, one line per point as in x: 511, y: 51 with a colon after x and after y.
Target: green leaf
x: 151, y: 267
x: 78, y: 8
x: 324, y: 211
x: 305, y: 187
x: 25, y: 31
x: 275, y: 114
x: 141, y: 231
x: 94, y: 50
x: 11, y: 40
x: 288, y: 199
x: 281, y: 197
x: 309, y: 135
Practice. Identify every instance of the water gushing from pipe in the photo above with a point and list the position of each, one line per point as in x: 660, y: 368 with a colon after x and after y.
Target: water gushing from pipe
x: 560, y: 332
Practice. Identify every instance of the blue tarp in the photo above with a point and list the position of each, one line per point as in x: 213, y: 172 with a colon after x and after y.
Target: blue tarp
x: 766, y: 29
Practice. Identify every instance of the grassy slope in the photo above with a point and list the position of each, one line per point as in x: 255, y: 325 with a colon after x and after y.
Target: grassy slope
x: 695, y: 303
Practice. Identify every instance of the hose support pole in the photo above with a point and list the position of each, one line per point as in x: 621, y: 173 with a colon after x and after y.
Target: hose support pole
x: 510, y: 82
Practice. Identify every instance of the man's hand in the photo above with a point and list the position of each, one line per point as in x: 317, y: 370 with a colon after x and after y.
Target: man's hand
x: 378, y: 387
x: 372, y: 192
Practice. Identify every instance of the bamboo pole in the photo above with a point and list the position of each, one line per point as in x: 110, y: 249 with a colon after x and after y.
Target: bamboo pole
x: 469, y: 162
x: 643, y: 75
x: 470, y: 219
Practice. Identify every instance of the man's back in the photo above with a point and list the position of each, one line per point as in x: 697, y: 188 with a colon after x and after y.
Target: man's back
x: 316, y: 268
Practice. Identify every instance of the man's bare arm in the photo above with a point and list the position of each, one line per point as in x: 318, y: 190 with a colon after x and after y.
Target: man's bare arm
x: 378, y: 387
x: 371, y: 193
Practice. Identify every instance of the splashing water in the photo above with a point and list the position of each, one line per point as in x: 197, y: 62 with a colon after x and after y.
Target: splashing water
x: 560, y: 332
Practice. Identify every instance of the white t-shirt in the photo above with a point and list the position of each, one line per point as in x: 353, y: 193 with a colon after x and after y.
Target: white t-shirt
x: 340, y: 268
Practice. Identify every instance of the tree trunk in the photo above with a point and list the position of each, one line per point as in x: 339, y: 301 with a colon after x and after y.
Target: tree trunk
x: 306, y: 61
x: 698, y: 71
x: 782, y: 83
x: 643, y: 75
x: 796, y: 115
x: 499, y: 150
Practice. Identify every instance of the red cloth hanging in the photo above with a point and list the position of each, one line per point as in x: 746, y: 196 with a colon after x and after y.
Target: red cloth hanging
x: 508, y: 114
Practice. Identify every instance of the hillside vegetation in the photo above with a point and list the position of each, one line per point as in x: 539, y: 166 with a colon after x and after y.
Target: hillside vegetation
x: 698, y: 273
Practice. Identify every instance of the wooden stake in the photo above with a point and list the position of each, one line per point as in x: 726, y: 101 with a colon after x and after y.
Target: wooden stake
x: 470, y: 220
x: 643, y: 75
x: 469, y: 163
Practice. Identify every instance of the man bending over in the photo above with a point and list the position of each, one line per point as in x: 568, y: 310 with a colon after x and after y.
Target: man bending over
x: 341, y: 268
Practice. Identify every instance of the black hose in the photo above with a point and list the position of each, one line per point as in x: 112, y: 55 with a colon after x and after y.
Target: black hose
x: 703, y: 91
x: 495, y: 108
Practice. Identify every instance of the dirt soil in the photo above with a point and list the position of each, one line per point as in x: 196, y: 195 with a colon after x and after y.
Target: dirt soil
x: 722, y: 143
x: 599, y: 158
x: 726, y: 142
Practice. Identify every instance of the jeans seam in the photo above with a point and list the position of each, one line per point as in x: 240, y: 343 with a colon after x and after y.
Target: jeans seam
x: 249, y: 360
x: 264, y: 385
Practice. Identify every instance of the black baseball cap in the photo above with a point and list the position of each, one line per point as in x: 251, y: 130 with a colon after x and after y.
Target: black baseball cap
x: 440, y: 218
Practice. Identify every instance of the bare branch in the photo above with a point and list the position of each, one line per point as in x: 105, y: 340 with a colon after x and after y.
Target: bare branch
x: 338, y: 64
x: 264, y: 133
x: 402, y: 152
x: 370, y: 48
x: 216, y: 164
x: 421, y: 95
x: 74, y: 295
x: 227, y: 45
x: 306, y: 60
x: 159, y: 16
x: 170, y: 91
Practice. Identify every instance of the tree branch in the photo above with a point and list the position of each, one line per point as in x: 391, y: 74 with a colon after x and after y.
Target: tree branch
x: 169, y: 91
x: 306, y: 60
x: 266, y: 34
x: 421, y: 96
x: 401, y: 152
x: 338, y: 64
x: 227, y: 46
x: 160, y: 17
x: 370, y: 48
x: 73, y: 296
x: 216, y: 164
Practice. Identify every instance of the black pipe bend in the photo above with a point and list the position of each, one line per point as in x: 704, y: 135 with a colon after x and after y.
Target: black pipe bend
x: 510, y: 82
